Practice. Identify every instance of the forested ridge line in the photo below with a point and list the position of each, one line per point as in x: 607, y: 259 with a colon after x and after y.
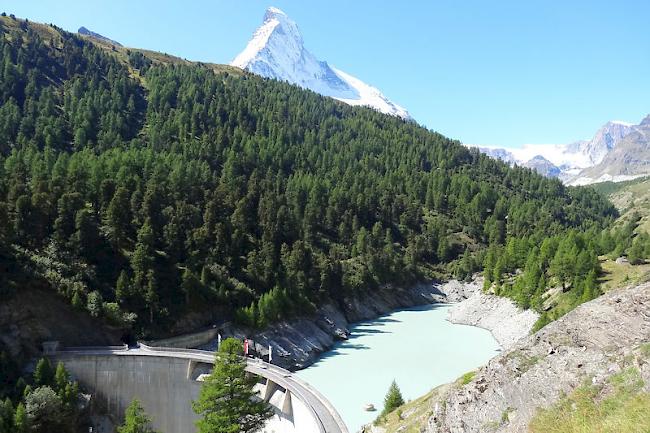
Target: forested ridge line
x: 143, y: 190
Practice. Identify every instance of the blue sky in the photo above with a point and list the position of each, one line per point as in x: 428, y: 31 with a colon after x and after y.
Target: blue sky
x: 496, y: 72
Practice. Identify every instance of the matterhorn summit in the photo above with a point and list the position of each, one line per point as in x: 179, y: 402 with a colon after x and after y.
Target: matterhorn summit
x: 277, y: 51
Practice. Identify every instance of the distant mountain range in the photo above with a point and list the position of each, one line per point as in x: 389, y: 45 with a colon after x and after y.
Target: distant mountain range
x: 618, y: 151
x: 277, y: 51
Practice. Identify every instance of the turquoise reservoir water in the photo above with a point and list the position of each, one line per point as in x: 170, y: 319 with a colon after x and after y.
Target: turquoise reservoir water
x: 417, y: 347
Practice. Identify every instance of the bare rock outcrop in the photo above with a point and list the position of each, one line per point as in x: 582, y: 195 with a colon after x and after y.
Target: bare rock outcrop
x: 32, y: 316
x: 501, y: 316
x: 591, y: 343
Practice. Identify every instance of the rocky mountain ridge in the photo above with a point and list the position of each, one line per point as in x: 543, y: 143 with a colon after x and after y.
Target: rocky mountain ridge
x: 618, y: 151
x: 86, y: 32
x: 628, y: 158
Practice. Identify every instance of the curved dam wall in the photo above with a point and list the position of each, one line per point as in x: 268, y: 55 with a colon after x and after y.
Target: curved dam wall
x: 167, y: 385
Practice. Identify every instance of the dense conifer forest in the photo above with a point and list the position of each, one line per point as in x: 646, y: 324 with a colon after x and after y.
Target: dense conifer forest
x: 141, y: 190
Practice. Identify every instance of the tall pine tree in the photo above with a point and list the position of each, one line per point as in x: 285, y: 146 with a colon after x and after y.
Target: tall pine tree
x: 227, y: 402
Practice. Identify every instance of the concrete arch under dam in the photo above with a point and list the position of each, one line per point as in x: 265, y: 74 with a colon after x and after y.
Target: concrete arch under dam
x: 167, y: 380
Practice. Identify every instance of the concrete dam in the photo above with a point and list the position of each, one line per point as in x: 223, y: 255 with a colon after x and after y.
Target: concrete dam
x: 167, y: 380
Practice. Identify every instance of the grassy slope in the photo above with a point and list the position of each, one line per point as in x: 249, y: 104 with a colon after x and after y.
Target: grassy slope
x: 629, y: 197
x: 622, y: 274
x: 52, y: 36
x: 619, y: 405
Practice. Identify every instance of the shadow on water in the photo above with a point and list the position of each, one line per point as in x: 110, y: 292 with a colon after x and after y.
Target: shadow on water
x: 337, y: 351
x: 359, y: 332
x: 380, y: 321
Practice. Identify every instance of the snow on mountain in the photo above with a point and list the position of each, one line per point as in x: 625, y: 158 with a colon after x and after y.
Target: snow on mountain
x: 628, y: 159
x: 498, y: 153
x: 572, y: 160
x: 277, y: 50
x: 603, y: 141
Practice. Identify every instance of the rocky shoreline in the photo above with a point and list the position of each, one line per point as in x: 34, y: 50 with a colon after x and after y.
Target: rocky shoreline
x: 298, y: 343
x: 501, y: 316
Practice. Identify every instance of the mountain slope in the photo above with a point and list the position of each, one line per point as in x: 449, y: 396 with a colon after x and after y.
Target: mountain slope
x: 605, y: 139
x: 631, y: 198
x: 277, y: 51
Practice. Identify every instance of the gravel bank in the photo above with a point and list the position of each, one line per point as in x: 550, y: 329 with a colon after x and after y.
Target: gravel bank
x: 507, y: 323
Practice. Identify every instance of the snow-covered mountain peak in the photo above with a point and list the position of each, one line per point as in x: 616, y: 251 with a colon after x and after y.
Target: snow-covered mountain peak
x: 276, y: 19
x: 277, y: 50
x: 272, y: 10
x: 606, y: 139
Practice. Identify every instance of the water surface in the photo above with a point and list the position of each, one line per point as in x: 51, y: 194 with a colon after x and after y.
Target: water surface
x: 417, y: 347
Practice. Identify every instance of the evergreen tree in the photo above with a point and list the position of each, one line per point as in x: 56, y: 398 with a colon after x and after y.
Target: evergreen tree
x: 122, y: 288
x: 43, y: 374
x: 21, y: 423
x: 118, y: 217
x: 61, y: 377
x: 227, y: 402
x: 189, y: 285
x: 6, y: 416
x: 85, y: 237
x: 393, y: 399
x: 136, y: 420
x: 636, y: 253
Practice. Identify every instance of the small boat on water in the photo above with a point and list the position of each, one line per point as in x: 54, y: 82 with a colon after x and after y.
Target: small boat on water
x: 369, y: 407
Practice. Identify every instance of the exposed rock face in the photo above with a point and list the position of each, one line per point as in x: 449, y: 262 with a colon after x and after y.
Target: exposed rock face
x: 543, y: 166
x: 32, y: 316
x: 507, y: 322
x: 298, y: 343
x: 630, y: 158
x: 589, y: 343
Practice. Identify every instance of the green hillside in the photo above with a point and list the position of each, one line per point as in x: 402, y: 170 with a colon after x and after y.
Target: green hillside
x: 146, y: 189
x: 630, y: 233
